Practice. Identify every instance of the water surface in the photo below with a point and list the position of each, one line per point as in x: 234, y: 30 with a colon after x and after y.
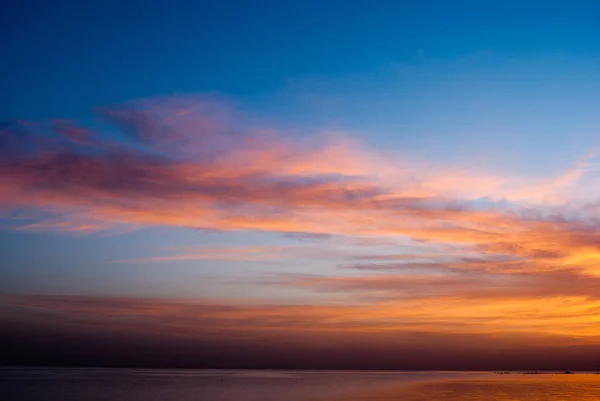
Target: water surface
x: 70, y: 384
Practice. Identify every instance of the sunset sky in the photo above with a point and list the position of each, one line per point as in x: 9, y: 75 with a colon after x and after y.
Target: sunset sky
x: 362, y: 184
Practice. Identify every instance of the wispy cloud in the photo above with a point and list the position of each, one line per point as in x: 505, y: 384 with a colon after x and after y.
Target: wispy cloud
x: 564, y: 321
x: 495, y: 252
x: 240, y: 253
x: 195, y: 163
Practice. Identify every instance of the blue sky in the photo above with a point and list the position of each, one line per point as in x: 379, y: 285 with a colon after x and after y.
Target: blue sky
x: 430, y: 69
x: 479, y: 102
x: 97, y: 53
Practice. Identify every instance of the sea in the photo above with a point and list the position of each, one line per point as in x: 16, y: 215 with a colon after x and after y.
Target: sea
x: 107, y: 384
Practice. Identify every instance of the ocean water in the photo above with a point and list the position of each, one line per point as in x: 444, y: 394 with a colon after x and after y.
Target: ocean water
x: 87, y: 384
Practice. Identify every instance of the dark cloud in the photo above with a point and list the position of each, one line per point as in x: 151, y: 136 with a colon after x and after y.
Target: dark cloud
x: 101, y: 331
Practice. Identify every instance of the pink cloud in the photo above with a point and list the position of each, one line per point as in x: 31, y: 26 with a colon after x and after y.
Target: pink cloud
x: 190, y: 163
x: 197, y: 163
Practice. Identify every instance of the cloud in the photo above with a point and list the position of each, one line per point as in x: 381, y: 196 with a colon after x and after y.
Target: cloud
x: 104, y: 331
x: 249, y: 253
x: 447, y: 281
x: 434, y: 247
x: 171, y: 168
x: 197, y: 163
x: 407, y: 322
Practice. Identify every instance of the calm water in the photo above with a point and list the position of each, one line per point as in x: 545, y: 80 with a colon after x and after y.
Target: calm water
x: 241, y: 385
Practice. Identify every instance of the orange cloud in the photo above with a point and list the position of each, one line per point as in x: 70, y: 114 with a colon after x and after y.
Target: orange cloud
x: 396, y: 322
x: 526, y: 254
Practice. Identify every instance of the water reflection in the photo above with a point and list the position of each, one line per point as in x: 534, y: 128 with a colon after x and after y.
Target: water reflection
x: 546, y: 387
x: 77, y: 384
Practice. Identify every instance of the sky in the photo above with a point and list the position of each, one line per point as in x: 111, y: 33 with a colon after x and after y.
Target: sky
x: 315, y: 184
